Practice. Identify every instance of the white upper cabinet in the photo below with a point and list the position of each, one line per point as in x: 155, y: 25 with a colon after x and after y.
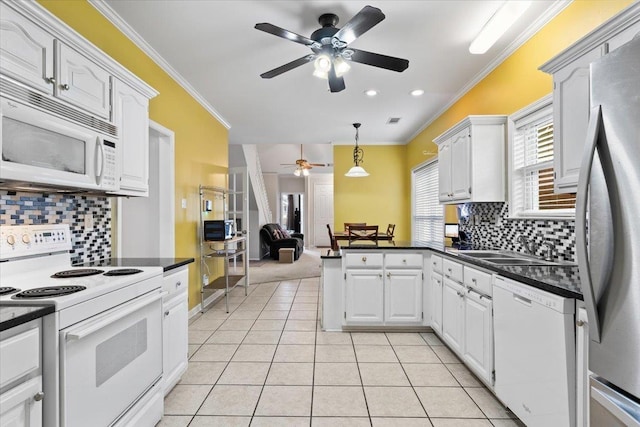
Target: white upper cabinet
x: 571, y: 105
x: 131, y: 116
x: 471, y: 160
x: 26, y: 51
x: 81, y: 82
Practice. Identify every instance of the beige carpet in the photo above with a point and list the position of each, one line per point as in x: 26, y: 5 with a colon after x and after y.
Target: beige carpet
x: 268, y: 270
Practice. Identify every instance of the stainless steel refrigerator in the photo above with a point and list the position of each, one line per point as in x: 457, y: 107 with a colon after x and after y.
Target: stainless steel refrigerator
x: 608, y: 237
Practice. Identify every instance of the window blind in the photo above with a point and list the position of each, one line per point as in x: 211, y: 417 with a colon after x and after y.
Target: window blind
x: 532, y: 185
x: 428, y: 218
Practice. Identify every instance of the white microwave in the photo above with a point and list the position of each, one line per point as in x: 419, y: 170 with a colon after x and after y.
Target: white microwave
x: 40, y: 148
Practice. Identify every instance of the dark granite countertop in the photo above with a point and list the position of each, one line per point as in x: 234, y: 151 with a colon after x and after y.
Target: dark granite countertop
x: 559, y: 280
x: 13, y: 315
x: 166, y: 263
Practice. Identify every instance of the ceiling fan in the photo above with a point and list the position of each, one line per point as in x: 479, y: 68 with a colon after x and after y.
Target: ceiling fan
x: 302, y: 165
x: 330, y: 45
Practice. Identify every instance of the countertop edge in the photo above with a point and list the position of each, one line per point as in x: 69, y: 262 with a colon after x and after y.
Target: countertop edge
x: 24, y: 318
x: 178, y: 264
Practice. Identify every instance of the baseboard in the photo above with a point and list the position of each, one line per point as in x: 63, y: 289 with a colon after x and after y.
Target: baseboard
x: 217, y: 295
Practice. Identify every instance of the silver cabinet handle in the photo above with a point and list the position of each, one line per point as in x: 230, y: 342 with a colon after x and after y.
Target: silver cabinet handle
x: 364, y: 259
x: 50, y: 80
x: 166, y: 313
x: 473, y: 280
x: 38, y: 396
x: 404, y: 261
x: 178, y: 284
x: 64, y: 87
x: 380, y: 275
x: 580, y: 323
x: 388, y: 275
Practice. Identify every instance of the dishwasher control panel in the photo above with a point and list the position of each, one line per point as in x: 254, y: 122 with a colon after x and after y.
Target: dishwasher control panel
x: 531, y: 294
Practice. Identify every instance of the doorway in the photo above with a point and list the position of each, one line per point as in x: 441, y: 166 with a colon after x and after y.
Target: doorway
x: 291, y: 215
x: 146, y: 225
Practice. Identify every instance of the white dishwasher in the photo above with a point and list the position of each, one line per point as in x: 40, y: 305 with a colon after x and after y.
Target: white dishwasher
x: 534, y: 353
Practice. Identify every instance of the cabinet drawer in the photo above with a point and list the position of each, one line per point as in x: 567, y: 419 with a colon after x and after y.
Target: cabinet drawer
x: 363, y: 260
x: 452, y: 270
x: 403, y: 260
x: 19, y: 355
x: 436, y: 263
x: 478, y: 280
x: 176, y: 281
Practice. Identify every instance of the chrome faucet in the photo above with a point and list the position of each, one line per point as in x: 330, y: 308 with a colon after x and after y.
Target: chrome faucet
x: 529, y: 245
x: 548, y: 254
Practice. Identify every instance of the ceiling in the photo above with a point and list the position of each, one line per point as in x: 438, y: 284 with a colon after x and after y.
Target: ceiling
x: 213, y: 46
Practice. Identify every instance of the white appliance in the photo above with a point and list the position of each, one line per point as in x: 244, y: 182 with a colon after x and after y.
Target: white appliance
x: 534, y: 353
x: 607, y: 228
x: 102, y: 348
x: 45, y: 145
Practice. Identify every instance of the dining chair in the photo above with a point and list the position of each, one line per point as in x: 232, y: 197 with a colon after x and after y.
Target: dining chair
x: 349, y: 224
x: 363, y: 232
x: 391, y: 228
x: 332, y: 239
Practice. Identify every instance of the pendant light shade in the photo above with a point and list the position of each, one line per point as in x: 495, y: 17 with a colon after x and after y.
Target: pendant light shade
x: 357, y: 171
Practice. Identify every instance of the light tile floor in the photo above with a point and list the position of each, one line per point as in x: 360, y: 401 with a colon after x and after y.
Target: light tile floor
x: 268, y: 363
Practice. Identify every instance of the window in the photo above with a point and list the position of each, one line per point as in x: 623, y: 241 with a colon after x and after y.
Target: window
x: 428, y: 218
x: 531, y: 165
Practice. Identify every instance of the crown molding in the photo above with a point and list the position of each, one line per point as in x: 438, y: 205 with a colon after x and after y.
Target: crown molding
x: 530, y: 31
x: 113, y: 17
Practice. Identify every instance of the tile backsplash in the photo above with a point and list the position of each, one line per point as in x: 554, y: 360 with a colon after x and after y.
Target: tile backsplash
x: 88, y: 244
x: 488, y: 224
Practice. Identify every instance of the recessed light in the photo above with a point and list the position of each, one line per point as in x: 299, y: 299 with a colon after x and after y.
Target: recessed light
x: 417, y: 92
x: 371, y: 92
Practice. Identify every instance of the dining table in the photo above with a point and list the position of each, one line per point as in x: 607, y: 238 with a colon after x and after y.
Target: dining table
x: 344, y: 235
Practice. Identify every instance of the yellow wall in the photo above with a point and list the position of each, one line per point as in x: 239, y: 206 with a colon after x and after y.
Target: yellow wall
x: 517, y: 82
x: 201, y: 142
x: 378, y: 199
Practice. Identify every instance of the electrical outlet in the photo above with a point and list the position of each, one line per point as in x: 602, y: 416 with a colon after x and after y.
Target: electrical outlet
x: 184, y: 203
x: 88, y: 221
x: 205, y: 279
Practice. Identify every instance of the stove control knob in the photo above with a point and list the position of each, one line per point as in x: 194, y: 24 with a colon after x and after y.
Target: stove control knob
x: 26, y: 239
x: 11, y: 239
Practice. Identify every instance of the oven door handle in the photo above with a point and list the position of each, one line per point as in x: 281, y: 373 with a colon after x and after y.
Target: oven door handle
x: 109, y: 319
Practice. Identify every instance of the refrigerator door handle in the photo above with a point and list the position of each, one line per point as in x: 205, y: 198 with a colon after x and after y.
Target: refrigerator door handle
x: 582, y: 195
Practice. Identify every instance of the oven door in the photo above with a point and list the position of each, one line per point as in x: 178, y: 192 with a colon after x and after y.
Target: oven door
x: 109, y: 361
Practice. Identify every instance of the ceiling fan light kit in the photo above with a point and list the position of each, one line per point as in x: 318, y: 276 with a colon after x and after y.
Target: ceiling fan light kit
x: 331, y: 54
x: 356, y: 170
x: 497, y: 25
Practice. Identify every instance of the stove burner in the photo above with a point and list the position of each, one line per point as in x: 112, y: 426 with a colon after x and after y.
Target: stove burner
x: 7, y: 290
x: 79, y: 272
x: 51, y: 291
x: 122, y: 272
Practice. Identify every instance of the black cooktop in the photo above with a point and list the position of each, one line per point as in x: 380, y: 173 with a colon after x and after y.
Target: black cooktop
x: 78, y: 272
x: 123, y: 272
x: 4, y: 290
x: 49, y: 291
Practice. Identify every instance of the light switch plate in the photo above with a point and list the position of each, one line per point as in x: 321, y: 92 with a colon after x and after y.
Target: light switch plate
x: 184, y: 203
x: 88, y: 221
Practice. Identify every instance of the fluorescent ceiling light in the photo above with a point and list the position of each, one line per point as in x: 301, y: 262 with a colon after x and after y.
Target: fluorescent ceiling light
x: 498, y: 24
x: 417, y: 92
x: 371, y: 92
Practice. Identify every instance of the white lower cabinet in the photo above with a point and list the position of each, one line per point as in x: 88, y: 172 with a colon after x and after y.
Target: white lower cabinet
x: 436, y: 302
x: 478, y: 334
x: 20, y: 406
x: 453, y: 314
x: 403, y: 296
x: 364, y: 302
x: 582, y: 368
x: 175, y: 326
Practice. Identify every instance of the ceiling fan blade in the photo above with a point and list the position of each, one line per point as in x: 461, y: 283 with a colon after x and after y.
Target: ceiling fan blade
x: 285, y: 34
x: 317, y: 164
x: 362, y: 22
x: 336, y: 84
x: 287, y: 67
x: 377, y: 60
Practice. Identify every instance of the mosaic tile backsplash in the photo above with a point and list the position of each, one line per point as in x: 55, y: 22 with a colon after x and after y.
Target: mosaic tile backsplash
x: 35, y: 208
x: 489, y: 225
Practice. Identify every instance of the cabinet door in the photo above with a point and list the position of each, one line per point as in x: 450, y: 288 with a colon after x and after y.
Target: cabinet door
x: 131, y: 115
x: 403, y: 296
x: 19, y: 407
x: 436, y: 303
x: 478, y: 335
x: 82, y: 83
x: 461, y: 165
x: 26, y: 50
x: 452, y: 314
x: 582, y: 367
x: 175, y: 340
x: 364, y: 297
x: 444, y: 171
x: 570, y: 118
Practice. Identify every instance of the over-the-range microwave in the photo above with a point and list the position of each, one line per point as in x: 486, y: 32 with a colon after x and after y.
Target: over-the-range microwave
x: 40, y: 148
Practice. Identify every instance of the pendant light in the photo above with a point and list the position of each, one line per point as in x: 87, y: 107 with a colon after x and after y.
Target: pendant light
x: 356, y: 170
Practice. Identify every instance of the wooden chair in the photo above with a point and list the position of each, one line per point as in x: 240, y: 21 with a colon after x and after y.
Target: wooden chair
x: 391, y: 228
x: 363, y: 232
x: 349, y: 224
x: 332, y: 239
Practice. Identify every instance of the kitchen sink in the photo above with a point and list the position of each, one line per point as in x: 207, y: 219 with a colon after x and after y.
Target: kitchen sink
x: 511, y: 258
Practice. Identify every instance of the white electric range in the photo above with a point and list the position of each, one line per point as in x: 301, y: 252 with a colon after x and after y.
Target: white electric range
x: 102, y: 347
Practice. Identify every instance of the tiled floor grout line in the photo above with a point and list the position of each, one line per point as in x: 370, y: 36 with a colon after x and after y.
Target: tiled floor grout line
x: 364, y: 395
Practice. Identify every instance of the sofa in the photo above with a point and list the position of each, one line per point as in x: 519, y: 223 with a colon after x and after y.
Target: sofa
x: 274, y: 237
